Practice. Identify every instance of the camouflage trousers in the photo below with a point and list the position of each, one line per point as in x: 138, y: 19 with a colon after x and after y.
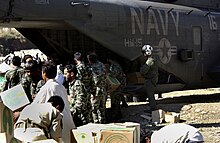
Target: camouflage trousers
x: 98, y: 102
x: 81, y: 117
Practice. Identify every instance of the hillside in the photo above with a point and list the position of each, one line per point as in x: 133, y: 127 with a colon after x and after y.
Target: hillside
x: 11, y: 40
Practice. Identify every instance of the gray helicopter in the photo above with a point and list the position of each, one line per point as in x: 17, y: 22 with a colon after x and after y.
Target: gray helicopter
x: 185, y: 34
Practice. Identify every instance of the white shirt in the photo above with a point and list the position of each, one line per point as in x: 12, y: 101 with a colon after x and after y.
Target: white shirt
x: 176, y: 133
x: 52, y: 88
x: 59, y: 77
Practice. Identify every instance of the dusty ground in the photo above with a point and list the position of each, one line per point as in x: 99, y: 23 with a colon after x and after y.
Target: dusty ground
x: 199, y: 108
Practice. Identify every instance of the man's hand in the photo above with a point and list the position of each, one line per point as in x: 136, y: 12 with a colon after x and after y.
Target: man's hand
x: 147, y: 140
x: 16, y: 115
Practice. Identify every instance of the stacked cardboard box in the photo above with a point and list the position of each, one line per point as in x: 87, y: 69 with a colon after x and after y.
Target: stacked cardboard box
x: 158, y: 116
x: 113, y: 83
x: 89, y: 133
x: 172, y: 117
x: 127, y: 132
x: 45, y: 141
x: 135, y: 78
x: 130, y: 128
x: 6, y: 125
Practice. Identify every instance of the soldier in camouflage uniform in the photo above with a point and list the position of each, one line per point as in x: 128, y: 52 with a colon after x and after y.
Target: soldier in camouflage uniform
x: 99, y: 94
x: 115, y: 70
x: 30, y: 79
x: 150, y: 72
x: 14, y: 76
x: 84, y: 73
x: 40, y: 82
x: 80, y: 104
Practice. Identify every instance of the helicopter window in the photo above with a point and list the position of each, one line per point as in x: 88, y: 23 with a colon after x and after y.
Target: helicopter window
x: 197, y: 40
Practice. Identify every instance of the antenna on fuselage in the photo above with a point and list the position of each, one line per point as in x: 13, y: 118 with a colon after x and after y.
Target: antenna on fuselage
x: 148, y: 8
x: 188, y: 13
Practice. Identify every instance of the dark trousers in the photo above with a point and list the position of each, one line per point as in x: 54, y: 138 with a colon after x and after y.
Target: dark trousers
x: 149, y: 88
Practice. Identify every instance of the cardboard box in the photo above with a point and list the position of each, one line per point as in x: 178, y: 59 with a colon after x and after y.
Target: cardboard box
x: 100, y: 133
x: 117, y: 135
x: 131, y: 125
x: 6, y: 122
x: 15, y: 97
x: 113, y: 83
x: 7, y: 138
x: 3, y: 138
x: 89, y: 133
x: 135, y: 78
x: 158, y: 116
x: 172, y: 117
x: 45, y: 141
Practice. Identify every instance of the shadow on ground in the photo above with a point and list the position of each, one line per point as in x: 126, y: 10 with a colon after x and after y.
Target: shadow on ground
x: 206, y: 98
x: 175, y: 105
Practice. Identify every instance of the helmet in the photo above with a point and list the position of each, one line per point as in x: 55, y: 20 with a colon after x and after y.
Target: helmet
x: 77, y: 56
x: 147, y: 49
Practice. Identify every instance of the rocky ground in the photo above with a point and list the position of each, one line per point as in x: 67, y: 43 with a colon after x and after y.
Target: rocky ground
x: 199, y: 108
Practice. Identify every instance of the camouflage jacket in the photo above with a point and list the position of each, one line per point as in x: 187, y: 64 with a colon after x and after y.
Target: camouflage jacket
x: 99, y: 74
x: 85, y: 75
x: 80, y: 99
x: 30, y: 86
x: 12, y: 78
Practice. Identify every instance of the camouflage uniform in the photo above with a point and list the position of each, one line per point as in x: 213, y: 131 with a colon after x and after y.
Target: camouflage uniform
x: 150, y: 72
x: 99, y: 94
x: 85, y: 75
x: 39, y: 85
x: 116, y: 71
x: 80, y: 104
x: 30, y: 86
x: 12, y: 78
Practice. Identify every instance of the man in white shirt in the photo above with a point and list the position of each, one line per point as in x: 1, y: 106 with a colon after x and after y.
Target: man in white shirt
x: 176, y: 133
x: 52, y: 88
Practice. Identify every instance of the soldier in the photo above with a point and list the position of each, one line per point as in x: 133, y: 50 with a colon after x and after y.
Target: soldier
x: 99, y: 94
x: 14, y: 76
x: 115, y: 70
x: 149, y: 71
x: 30, y: 79
x: 79, y: 98
x: 26, y: 59
x: 84, y: 73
